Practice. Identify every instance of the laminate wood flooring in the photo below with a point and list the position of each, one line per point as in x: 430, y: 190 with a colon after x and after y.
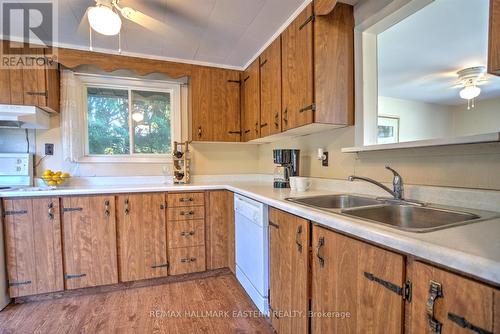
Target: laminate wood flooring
x: 208, y: 305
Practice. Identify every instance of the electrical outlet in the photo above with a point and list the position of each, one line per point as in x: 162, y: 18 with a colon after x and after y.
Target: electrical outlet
x: 49, y: 149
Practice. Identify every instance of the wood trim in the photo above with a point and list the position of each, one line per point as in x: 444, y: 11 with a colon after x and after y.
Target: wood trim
x: 324, y: 7
x: 494, y: 38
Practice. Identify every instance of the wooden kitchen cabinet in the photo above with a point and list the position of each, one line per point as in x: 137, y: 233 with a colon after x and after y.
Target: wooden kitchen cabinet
x: 494, y: 38
x: 33, y: 246
x: 448, y: 301
x: 270, y: 89
x: 24, y: 85
x: 297, y: 71
x: 220, y: 230
x: 141, y: 236
x: 89, y: 240
x: 250, y: 96
x: 215, y: 111
x: 288, y: 271
x: 362, y: 282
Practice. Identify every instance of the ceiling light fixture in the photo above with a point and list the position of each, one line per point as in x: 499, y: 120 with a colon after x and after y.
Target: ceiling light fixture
x: 469, y: 79
x: 103, y: 19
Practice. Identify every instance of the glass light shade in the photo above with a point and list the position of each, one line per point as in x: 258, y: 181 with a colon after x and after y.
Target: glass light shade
x: 470, y: 92
x: 104, y: 20
x: 137, y: 116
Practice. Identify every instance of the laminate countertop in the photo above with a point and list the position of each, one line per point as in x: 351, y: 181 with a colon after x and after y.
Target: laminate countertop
x: 472, y: 249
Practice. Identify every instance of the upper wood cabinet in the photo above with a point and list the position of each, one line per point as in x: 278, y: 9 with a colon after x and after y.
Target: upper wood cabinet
x: 31, y: 86
x: 33, y: 246
x: 215, y: 109
x: 89, y: 240
x: 450, y: 303
x: 288, y: 272
x: 363, y: 281
x: 250, y: 95
x: 270, y: 89
x: 141, y: 236
x: 220, y: 229
x: 494, y: 38
x: 297, y: 71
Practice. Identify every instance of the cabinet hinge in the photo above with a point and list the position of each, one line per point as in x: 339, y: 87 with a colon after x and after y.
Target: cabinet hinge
x: 19, y: 283
x: 235, y: 81
x: 12, y: 213
x: 263, y: 63
x: 404, y: 291
x: 245, y: 80
x: 72, y: 209
x: 309, y: 107
x: 46, y: 94
x: 160, y: 265
x: 309, y: 19
x: 74, y: 276
x: 271, y: 224
x: 462, y: 322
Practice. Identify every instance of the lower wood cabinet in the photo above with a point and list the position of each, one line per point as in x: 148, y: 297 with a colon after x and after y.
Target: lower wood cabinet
x: 89, y: 239
x: 33, y: 246
x: 220, y: 230
x: 288, y: 271
x: 186, y: 260
x: 444, y: 302
x: 356, y: 287
x: 142, y: 236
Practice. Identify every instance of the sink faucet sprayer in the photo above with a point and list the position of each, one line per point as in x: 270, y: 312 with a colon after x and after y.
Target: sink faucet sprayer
x: 397, y: 184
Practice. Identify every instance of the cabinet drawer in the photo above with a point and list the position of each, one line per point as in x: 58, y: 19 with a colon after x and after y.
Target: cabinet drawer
x: 186, y: 233
x: 186, y: 213
x: 187, y: 260
x: 185, y: 199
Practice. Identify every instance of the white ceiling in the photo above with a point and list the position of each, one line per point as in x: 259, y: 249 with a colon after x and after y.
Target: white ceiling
x: 418, y: 58
x: 223, y: 32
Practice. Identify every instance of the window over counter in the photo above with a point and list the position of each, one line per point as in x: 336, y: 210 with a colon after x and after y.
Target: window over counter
x: 129, y: 120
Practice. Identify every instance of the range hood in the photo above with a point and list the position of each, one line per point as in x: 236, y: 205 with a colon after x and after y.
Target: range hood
x: 23, y: 117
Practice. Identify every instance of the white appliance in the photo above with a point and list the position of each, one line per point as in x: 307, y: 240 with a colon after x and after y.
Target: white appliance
x: 252, y: 249
x: 16, y: 170
x: 24, y: 117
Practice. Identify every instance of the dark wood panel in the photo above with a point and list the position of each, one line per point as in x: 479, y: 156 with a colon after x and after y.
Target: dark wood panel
x: 494, y: 38
x: 215, y: 104
x: 186, y: 233
x: 270, y: 89
x: 334, y: 80
x: 220, y: 229
x: 288, y: 279
x: 185, y: 199
x: 297, y: 71
x: 250, y: 92
x: 141, y: 236
x: 186, y: 260
x: 461, y: 296
x: 89, y: 240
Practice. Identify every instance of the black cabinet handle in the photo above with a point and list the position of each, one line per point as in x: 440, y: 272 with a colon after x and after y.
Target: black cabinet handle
x: 321, y: 259
x: 435, y: 292
x: 297, y: 241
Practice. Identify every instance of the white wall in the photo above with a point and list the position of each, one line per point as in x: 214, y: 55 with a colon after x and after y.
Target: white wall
x: 484, y: 118
x: 417, y: 120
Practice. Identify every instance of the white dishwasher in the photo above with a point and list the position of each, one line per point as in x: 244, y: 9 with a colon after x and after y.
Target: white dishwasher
x: 252, y: 249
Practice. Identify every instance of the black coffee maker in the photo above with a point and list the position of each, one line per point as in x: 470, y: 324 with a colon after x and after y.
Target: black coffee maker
x: 287, y: 161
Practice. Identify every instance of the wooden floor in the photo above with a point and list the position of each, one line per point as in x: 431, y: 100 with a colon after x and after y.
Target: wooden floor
x: 209, y: 305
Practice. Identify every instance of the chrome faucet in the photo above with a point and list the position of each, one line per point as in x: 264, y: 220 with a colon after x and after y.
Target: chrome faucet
x: 397, y: 184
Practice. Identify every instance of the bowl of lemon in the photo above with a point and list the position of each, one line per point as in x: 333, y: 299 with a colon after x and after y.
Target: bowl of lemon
x: 54, y: 179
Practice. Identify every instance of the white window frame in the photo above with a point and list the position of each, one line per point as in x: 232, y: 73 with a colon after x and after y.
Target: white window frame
x: 129, y: 84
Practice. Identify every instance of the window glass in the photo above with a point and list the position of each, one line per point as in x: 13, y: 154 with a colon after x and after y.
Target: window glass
x: 108, y: 121
x: 151, y: 118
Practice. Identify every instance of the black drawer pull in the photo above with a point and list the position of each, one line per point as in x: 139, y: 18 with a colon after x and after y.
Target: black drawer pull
x: 187, y: 233
x: 188, y: 259
x: 19, y: 283
x: 186, y: 199
x: 189, y: 213
x: 74, y: 276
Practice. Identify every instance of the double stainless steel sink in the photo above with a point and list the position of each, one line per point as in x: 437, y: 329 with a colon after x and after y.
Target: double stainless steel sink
x: 408, y: 216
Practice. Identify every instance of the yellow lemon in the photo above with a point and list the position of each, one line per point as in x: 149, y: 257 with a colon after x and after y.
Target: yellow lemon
x: 47, y: 172
x: 52, y: 183
x: 56, y: 178
x: 65, y: 175
x: 58, y: 173
x: 60, y: 181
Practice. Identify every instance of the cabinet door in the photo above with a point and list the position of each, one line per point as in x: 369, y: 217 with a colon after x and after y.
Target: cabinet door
x: 270, y: 89
x: 220, y: 229
x: 33, y: 246
x: 89, y: 239
x: 250, y: 113
x: 297, y: 67
x: 347, y: 277
x: 215, y: 104
x: 457, y: 300
x: 288, y: 264
x: 142, y: 236
x: 494, y: 38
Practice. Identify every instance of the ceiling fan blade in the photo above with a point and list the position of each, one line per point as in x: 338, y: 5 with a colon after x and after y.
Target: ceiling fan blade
x: 145, y: 20
x: 83, y: 27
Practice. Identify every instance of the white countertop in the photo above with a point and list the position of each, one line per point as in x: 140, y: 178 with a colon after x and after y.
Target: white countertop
x: 472, y: 249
